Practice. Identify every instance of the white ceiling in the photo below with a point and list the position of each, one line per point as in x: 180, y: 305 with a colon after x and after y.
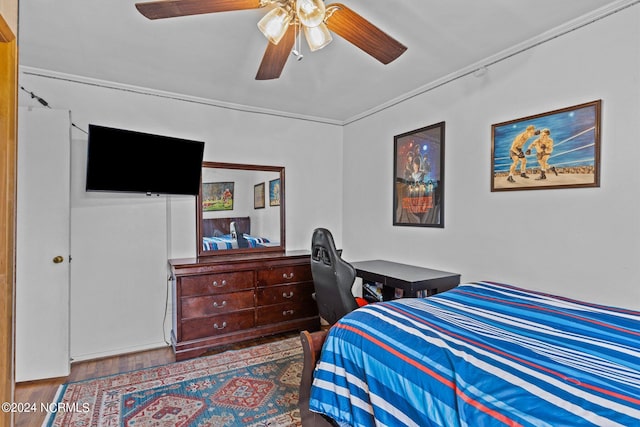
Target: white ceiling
x: 215, y: 57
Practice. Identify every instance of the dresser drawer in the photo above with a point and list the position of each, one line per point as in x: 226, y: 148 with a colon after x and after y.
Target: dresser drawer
x: 285, y: 293
x: 216, y: 283
x: 217, y: 325
x: 286, y: 311
x: 287, y: 274
x: 216, y: 304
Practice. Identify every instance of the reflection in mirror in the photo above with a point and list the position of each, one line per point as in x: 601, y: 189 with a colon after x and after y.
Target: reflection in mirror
x: 240, y: 209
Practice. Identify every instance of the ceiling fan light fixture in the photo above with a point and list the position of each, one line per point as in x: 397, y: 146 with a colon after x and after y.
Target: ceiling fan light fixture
x: 317, y: 37
x: 274, y: 24
x: 310, y: 12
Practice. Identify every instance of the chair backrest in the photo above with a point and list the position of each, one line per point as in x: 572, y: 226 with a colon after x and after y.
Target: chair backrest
x: 333, y: 278
x: 238, y: 236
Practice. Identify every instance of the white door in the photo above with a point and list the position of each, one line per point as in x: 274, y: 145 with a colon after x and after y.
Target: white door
x: 42, y: 244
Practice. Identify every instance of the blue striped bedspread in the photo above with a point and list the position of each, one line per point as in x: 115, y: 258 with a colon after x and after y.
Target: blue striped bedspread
x: 225, y: 241
x: 482, y: 354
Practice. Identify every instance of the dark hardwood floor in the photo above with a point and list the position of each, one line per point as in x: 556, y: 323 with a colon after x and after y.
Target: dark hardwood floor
x: 43, y: 391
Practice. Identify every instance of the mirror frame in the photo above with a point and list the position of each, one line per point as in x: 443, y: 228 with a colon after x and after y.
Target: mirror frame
x: 199, y: 214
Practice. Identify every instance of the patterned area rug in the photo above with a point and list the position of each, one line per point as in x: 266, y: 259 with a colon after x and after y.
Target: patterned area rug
x: 256, y: 386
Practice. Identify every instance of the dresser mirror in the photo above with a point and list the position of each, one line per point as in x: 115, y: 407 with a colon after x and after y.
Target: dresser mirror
x: 240, y: 209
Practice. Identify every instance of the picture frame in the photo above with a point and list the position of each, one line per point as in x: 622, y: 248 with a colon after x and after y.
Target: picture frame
x: 418, y: 177
x: 217, y: 196
x: 274, y: 192
x: 258, y: 196
x: 556, y: 149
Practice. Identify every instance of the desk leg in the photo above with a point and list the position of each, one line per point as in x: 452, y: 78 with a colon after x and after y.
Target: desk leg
x: 388, y: 293
x: 413, y: 294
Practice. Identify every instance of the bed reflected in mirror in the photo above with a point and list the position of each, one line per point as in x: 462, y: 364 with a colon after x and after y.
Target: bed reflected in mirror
x: 240, y: 209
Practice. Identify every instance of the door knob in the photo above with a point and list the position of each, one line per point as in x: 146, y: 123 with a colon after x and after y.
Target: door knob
x: 58, y: 259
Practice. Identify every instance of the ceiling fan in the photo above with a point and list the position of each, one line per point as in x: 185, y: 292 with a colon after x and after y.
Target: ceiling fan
x: 283, y: 24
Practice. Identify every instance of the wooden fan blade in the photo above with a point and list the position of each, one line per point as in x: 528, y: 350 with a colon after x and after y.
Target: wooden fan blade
x: 363, y: 34
x: 276, y: 56
x: 172, y: 8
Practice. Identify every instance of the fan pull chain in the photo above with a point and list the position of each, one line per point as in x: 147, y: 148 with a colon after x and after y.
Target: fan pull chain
x: 296, y: 50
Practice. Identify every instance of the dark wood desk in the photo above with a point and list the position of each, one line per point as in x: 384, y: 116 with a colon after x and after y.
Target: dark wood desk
x: 410, y: 278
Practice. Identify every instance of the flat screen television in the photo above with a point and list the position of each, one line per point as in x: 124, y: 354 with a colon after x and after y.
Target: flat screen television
x: 127, y: 161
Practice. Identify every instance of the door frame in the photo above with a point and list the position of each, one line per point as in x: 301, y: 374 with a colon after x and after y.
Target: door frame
x: 8, y: 150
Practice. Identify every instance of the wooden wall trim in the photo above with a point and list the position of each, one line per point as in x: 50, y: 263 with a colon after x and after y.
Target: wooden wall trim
x: 6, y: 35
x: 8, y: 157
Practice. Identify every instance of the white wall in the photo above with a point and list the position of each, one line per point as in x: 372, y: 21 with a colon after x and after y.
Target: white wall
x: 580, y: 243
x: 120, y: 242
x: 577, y: 242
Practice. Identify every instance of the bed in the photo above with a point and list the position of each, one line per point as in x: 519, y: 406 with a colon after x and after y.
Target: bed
x: 482, y: 354
x: 216, y: 234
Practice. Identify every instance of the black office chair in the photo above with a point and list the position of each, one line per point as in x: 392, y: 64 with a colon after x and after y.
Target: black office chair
x: 333, y: 278
x: 238, y: 235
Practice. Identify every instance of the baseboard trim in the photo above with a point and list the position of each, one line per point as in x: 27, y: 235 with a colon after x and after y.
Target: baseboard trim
x: 117, y: 352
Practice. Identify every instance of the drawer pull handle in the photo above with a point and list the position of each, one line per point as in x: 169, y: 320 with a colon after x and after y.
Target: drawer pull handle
x: 287, y: 312
x: 287, y: 276
x: 216, y: 326
x: 216, y: 305
x: 219, y: 285
x: 289, y: 295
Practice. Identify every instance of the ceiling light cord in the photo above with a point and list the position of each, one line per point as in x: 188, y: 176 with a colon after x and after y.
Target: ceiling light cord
x: 36, y: 97
x: 43, y: 102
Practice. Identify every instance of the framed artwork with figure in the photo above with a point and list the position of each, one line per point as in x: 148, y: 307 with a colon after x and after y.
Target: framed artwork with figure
x: 217, y: 196
x: 274, y: 192
x: 418, y: 177
x: 557, y: 149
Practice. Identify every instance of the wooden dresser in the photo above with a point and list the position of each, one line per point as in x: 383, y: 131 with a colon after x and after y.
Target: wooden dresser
x: 229, y: 298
